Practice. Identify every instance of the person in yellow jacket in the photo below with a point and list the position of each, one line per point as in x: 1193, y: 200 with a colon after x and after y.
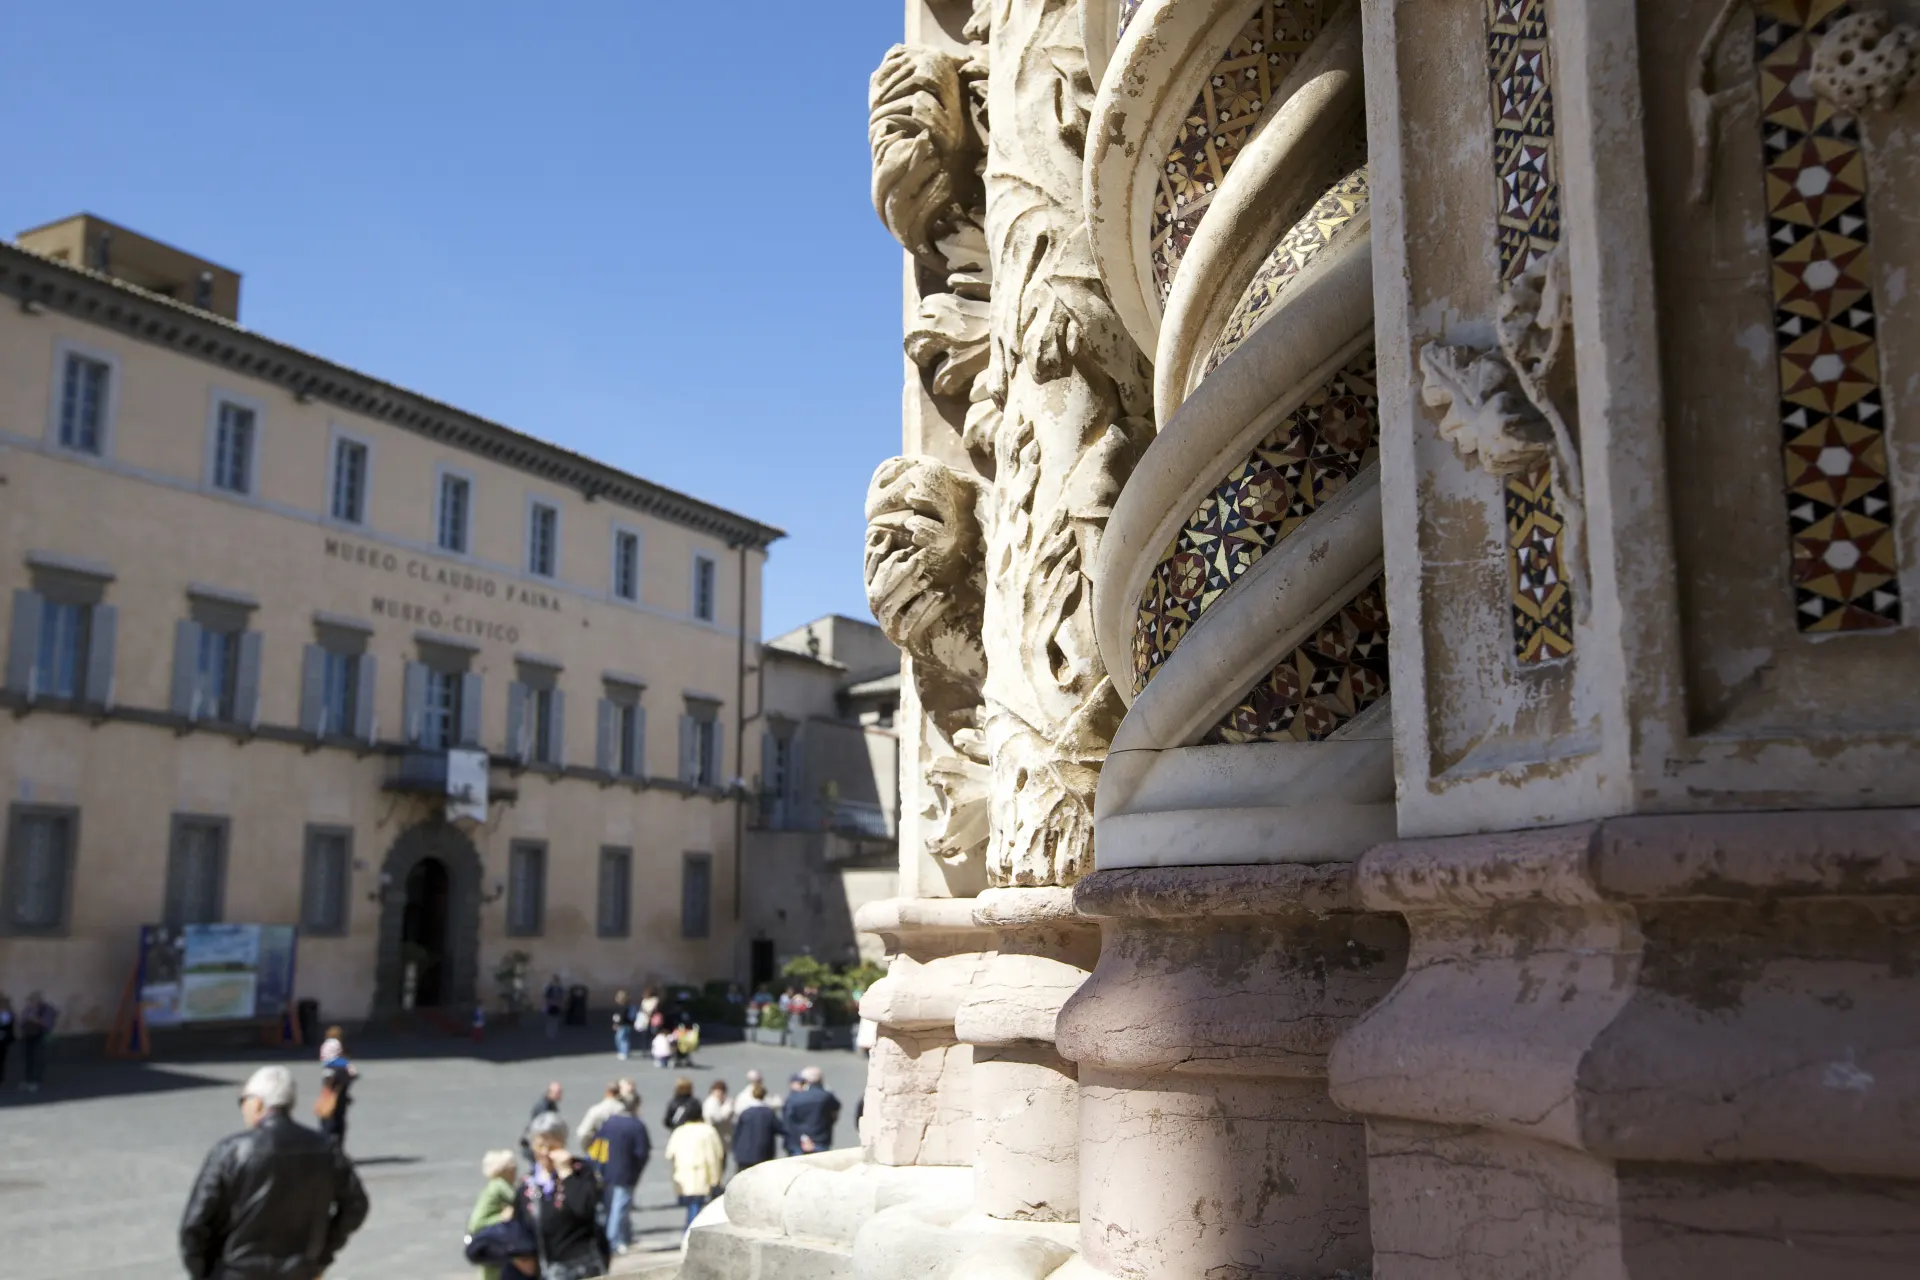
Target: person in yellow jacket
x: 699, y: 1163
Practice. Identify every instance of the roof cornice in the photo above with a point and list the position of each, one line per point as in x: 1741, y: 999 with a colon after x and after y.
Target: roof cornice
x: 99, y: 299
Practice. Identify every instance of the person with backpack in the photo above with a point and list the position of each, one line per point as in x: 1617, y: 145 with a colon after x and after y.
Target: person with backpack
x: 37, y: 1019
x: 336, y: 1085
x: 682, y: 1107
x: 624, y: 1150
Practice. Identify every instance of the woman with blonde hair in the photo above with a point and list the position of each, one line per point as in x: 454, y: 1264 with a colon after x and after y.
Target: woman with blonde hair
x: 495, y: 1204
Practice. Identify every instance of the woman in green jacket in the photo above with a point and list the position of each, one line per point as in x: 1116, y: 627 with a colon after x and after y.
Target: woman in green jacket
x: 495, y: 1204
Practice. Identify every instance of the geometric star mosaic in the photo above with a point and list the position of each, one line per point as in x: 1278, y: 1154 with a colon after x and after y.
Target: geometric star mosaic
x: 1309, y: 456
x: 1527, y: 194
x: 1542, y: 602
x: 1333, y: 676
x: 1342, y: 203
x: 1832, y: 410
x: 1222, y: 118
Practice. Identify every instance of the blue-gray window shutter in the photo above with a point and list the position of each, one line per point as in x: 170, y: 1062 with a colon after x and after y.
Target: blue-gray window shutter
x: 604, y: 758
x: 413, y: 699
x: 557, y: 729
x: 103, y: 625
x: 689, y: 750
x: 185, y: 699
x: 364, y: 684
x: 717, y: 766
x: 639, y: 742
x: 470, y: 709
x: 313, y: 684
x: 246, y: 692
x: 23, y: 649
x: 517, y: 721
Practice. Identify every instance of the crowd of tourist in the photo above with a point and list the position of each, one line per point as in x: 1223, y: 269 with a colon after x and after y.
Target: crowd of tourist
x: 280, y: 1198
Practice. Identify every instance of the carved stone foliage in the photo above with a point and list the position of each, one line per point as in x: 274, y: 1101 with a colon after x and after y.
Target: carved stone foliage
x: 985, y: 584
x: 1073, y: 395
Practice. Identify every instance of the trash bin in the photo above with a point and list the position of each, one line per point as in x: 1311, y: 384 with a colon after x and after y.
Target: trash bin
x: 307, y: 1014
x: 576, y: 1006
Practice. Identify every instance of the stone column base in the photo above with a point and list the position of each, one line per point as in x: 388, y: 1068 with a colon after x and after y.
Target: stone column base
x: 1651, y: 1048
x: 1209, y: 1146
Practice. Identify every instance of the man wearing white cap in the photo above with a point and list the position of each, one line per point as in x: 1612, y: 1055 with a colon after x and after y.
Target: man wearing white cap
x: 275, y: 1199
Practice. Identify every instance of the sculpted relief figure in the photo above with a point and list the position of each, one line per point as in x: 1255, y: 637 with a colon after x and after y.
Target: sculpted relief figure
x: 1058, y: 415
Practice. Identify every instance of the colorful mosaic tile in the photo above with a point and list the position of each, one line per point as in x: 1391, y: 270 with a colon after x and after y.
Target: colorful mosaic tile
x: 1542, y: 601
x: 1307, y: 458
x: 1342, y: 203
x: 1223, y: 117
x: 1832, y: 412
x: 1327, y: 681
x: 1525, y: 167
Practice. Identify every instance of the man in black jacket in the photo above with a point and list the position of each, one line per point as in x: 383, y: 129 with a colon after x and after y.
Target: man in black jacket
x: 274, y: 1200
x: 811, y: 1114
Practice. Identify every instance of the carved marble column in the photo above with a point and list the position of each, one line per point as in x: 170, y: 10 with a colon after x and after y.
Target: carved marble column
x: 1209, y: 1141
x: 1026, y: 1100
x: 919, y: 1107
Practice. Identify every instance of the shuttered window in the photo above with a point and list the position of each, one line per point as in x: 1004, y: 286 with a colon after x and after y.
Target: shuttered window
x: 616, y: 891
x: 36, y: 886
x: 705, y: 573
x: 233, y: 448
x: 197, y: 871
x: 349, y: 500
x: 626, y: 565
x: 456, y: 501
x: 526, y: 889
x: 323, y: 887
x: 61, y: 642
x: 543, y: 539
x: 83, y: 403
x: 696, y: 895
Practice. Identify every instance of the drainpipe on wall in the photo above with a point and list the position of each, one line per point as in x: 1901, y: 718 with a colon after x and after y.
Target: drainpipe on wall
x: 740, y: 741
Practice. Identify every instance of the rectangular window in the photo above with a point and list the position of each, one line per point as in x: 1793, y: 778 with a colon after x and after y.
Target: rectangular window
x: 543, y: 539
x: 440, y: 714
x: 219, y: 672
x: 233, y: 449
x: 626, y: 739
x: 626, y: 565
x: 349, y: 481
x: 83, y: 403
x: 540, y: 713
x: 456, y: 493
x: 197, y: 871
x: 616, y: 891
x: 526, y: 889
x: 38, y: 876
x: 704, y: 573
x: 60, y: 667
x: 707, y: 752
x: 339, y: 691
x: 323, y: 886
x: 696, y: 894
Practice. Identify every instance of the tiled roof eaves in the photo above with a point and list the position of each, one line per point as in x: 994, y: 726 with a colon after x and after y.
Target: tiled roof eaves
x: 99, y: 299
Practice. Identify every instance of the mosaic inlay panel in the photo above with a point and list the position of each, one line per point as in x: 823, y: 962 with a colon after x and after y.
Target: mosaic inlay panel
x: 1832, y: 411
x: 1525, y: 166
x: 1222, y: 118
x: 1331, y: 678
x: 1542, y: 601
x: 1342, y: 203
x: 1307, y: 458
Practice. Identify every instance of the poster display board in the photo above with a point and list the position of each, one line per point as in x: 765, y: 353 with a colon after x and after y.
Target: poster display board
x: 215, y: 972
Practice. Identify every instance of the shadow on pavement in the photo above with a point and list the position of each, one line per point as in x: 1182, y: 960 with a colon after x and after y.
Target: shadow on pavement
x: 79, y: 1081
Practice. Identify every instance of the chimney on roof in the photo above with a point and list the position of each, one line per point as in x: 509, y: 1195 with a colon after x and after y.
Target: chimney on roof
x: 103, y: 253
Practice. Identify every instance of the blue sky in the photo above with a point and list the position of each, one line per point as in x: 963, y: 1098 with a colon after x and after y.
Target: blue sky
x: 637, y: 229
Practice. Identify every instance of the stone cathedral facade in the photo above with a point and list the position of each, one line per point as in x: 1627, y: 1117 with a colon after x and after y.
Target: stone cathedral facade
x: 1406, y: 541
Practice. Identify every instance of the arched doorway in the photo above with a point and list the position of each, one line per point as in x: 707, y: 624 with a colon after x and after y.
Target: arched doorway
x: 423, y: 934
x: 429, y: 918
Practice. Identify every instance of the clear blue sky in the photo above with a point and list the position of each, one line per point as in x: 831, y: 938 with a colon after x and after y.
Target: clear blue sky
x: 637, y: 228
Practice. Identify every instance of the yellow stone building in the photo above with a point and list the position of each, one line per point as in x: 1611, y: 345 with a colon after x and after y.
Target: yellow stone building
x: 273, y: 624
